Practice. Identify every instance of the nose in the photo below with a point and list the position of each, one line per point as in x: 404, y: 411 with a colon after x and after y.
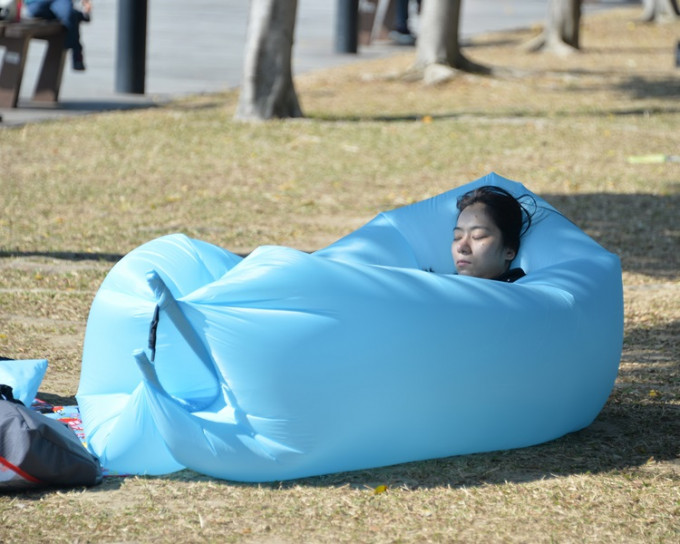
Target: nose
x: 461, y: 245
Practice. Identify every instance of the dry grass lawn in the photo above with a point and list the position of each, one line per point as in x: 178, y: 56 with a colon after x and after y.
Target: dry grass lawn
x: 78, y: 194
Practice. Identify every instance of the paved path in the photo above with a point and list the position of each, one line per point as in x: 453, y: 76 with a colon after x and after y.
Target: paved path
x: 212, y: 58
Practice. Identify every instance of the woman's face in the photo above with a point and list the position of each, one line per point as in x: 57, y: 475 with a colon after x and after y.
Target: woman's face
x: 477, y: 246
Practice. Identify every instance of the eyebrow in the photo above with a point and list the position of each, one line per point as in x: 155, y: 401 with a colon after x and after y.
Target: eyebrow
x: 473, y: 227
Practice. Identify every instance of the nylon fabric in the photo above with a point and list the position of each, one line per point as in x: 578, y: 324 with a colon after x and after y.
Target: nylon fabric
x: 366, y: 353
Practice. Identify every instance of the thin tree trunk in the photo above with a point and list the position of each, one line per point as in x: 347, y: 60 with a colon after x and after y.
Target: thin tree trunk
x: 561, y: 34
x: 268, y: 90
x: 658, y: 11
x: 438, y: 53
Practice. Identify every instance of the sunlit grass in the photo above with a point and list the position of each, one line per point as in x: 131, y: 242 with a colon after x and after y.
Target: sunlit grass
x: 78, y: 194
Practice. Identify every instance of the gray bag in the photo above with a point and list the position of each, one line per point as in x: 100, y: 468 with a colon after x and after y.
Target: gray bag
x: 36, y: 451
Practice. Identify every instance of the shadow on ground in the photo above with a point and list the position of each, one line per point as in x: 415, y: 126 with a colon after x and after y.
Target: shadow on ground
x: 616, y: 221
x: 516, y: 115
x: 33, y: 112
x: 64, y: 255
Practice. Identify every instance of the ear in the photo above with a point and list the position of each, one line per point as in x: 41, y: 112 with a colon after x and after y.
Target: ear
x: 510, y: 254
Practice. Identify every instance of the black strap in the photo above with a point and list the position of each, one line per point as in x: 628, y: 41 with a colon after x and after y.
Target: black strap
x: 6, y: 393
x: 152, y: 332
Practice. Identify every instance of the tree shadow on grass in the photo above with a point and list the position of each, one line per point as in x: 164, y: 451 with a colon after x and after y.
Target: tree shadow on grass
x: 65, y: 255
x: 518, y: 116
x: 638, y: 87
x: 72, y: 255
x: 640, y: 228
x: 635, y: 86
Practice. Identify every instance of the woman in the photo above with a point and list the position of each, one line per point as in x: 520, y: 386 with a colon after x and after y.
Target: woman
x: 487, y: 234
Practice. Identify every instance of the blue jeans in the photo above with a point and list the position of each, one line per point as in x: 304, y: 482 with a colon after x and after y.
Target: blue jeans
x: 66, y: 14
x: 401, y: 16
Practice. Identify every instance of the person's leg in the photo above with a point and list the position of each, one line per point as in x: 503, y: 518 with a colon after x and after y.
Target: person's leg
x: 401, y: 16
x: 64, y: 11
x: 40, y: 9
x: 401, y: 33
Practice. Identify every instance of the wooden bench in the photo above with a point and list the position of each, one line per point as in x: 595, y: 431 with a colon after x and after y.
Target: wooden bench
x: 15, y: 37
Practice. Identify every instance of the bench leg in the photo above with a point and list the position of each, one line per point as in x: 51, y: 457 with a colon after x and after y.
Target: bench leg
x: 49, y: 80
x: 12, y: 70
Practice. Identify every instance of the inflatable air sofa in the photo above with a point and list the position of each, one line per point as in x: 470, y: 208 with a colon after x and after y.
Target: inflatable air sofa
x: 366, y: 353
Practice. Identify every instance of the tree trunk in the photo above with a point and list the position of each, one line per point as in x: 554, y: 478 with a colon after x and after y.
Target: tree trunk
x: 438, y: 52
x: 268, y: 91
x: 658, y: 11
x: 561, y: 34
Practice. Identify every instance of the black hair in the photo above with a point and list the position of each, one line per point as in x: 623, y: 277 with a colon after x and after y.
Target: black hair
x: 508, y: 213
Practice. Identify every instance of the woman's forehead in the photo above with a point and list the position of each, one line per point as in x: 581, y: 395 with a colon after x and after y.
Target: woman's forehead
x: 475, y: 216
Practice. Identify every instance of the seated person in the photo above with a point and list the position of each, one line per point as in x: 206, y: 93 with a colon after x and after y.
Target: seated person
x: 65, y: 12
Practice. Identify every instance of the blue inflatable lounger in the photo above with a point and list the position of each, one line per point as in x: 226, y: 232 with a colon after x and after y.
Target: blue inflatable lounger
x: 366, y: 353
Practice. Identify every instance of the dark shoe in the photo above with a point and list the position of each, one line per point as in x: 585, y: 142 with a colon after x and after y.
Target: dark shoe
x: 402, y: 38
x: 78, y: 63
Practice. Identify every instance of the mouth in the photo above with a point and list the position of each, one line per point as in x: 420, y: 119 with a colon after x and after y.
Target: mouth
x: 462, y: 263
